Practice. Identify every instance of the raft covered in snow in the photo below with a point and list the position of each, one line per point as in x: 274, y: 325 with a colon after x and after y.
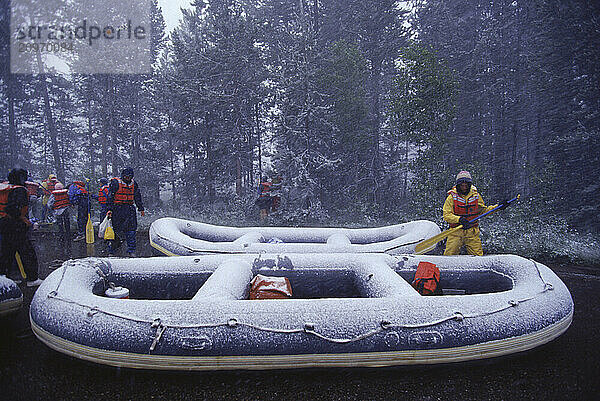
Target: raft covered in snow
x: 11, y: 297
x: 193, y: 313
x: 170, y: 236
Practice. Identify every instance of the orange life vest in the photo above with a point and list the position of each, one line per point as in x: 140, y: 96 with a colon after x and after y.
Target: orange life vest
x: 81, y: 186
x: 265, y: 188
x: 50, y: 184
x: 32, y: 188
x: 61, y: 198
x: 124, y: 195
x: 102, y: 192
x: 468, y: 208
x: 5, y: 189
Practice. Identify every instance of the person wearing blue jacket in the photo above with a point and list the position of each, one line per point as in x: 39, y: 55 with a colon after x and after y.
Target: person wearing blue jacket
x: 79, y: 197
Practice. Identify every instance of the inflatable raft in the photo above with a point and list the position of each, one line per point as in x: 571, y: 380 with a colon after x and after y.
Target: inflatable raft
x: 170, y: 236
x: 193, y: 313
x: 11, y: 297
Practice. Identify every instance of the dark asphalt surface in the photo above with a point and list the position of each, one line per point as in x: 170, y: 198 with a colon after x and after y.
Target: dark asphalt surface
x: 566, y: 368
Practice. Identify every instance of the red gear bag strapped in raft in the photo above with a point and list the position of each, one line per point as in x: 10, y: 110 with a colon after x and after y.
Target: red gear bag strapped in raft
x: 427, y: 279
x: 266, y: 287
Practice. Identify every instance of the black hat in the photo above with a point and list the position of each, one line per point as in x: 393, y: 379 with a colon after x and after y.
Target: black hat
x: 17, y: 176
x: 127, y: 172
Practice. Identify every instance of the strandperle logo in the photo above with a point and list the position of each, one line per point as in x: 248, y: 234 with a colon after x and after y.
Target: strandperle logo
x: 84, y: 31
x: 84, y: 36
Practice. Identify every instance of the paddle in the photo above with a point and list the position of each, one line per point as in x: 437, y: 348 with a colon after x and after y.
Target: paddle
x: 426, y: 245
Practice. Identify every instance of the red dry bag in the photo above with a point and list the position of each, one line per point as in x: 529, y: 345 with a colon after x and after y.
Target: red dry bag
x: 264, y: 287
x: 427, y: 279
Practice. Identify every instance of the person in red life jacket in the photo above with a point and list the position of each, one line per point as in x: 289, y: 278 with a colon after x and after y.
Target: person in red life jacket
x: 123, y: 193
x: 102, y: 197
x: 464, y: 203
x: 59, y: 202
x: 14, y: 227
x: 34, y: 191
x: 264, y: 200
x: 48, y: 185
x: 79, y: 196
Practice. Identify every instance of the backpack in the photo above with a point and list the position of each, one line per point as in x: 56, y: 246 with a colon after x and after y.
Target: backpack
x: 427, y: 279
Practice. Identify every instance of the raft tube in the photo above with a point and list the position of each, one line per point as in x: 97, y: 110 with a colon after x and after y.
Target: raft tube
x: 11, y: 297
x: 170, y: 236
x: 193, y: 313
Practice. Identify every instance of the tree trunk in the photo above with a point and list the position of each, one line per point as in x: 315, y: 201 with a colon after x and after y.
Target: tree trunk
x: 210, y: 179
x: 13, y: 145
x: 258, y: 141
x: 58, y: 165
x: 91, y: 149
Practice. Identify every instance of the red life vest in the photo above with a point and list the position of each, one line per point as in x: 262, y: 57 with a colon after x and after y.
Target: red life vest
x: 265, y: 188
x: 468, y: 208
x: 81, y: 186
x: 5, y: 189
x: 50, y: 184
x: 102, y: 195
x: 124, y: 195
x: 61, y: 198
x: 32, y: 188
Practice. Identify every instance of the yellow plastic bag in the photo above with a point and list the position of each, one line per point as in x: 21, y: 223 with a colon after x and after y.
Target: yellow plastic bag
x: 109, y: 233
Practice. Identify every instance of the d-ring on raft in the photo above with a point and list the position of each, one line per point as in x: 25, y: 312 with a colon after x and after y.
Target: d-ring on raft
x: 353, y: 310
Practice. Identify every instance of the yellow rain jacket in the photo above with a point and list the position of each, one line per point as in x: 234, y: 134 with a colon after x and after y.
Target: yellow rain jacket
x: 469, y: 237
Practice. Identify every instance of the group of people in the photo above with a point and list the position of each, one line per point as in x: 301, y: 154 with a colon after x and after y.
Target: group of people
x: 20, y: 213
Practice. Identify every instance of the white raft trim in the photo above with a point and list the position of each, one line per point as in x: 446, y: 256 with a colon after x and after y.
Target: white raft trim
x: 486, y: 350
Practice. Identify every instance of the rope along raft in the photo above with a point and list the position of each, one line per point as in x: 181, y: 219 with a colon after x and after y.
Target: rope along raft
x: 510, y: 304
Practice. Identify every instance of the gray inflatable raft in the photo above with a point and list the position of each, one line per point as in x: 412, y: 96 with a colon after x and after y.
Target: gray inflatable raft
x: 355, y: 310
x: 170, y: 236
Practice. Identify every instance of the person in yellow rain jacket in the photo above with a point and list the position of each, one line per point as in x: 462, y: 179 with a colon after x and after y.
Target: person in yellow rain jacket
x: 464, y: 203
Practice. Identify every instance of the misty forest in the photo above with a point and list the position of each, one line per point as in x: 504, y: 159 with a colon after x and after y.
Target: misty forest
x: 366, y: 109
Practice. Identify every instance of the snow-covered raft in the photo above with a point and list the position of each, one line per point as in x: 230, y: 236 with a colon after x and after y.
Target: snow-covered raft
x: 192, y: 313
x: 170, y: 236
x: 11, y: 297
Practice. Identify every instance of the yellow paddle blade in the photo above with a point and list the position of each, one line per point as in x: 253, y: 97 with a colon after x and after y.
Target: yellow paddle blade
x: 109, y: 233
x: 89, y: 231
x: 429, y: 243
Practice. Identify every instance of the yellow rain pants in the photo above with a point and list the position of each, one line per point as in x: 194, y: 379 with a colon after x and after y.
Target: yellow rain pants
x: 469, y: 238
